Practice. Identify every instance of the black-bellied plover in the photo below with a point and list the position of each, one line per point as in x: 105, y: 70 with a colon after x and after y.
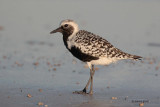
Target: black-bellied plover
x: 89, y: 48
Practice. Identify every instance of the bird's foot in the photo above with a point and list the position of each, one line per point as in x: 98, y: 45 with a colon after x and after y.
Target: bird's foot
x: 80, y: 92
x: 91, y: 93
x: 83, y: 92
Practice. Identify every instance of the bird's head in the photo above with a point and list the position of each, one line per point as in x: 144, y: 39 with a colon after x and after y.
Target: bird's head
x: 67, y: 27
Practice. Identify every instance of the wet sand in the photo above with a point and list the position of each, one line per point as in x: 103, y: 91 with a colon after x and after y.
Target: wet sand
x: 52, y: 83
x: 37, y: 70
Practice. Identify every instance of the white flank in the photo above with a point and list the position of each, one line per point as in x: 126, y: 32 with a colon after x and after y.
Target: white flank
x: 104, y: 61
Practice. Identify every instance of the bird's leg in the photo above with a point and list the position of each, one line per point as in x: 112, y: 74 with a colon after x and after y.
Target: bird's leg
x: 86, y: 87
x: 84, y: 91
x: 92, y: 71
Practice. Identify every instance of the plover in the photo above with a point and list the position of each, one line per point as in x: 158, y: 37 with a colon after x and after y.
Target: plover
x: 90, y: 48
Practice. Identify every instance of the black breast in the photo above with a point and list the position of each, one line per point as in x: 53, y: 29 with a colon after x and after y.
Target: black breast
x: 74, y: 50
x: 81, y: 56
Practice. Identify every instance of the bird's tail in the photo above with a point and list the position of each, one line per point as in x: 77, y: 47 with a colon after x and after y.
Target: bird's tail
x: 124, y: 55
x: 135, y: 57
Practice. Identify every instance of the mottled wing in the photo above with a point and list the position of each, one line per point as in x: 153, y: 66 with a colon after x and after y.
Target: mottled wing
x: 93, y: 45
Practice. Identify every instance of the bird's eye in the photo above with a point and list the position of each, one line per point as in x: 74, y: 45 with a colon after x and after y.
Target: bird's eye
x: 66, y: 25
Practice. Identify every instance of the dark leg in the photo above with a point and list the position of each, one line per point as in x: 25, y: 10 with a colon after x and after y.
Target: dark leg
x: 84, y: 91
x: 93, y: 71
x: 91, y: 77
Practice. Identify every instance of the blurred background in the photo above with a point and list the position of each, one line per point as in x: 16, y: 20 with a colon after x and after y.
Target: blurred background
x: 32, y: 58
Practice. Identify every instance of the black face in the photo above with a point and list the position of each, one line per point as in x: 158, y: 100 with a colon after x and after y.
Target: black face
x: 65, y: 29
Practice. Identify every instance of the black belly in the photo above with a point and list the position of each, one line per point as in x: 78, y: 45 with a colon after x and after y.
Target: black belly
x: 81, y: 56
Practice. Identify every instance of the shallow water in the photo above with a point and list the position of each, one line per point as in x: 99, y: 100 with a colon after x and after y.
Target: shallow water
x: 32, y: 59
